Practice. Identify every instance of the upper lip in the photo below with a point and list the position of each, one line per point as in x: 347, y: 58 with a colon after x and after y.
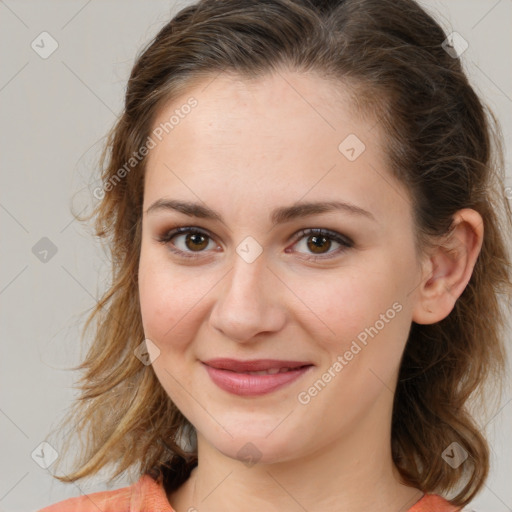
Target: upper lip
x: 253, y: 365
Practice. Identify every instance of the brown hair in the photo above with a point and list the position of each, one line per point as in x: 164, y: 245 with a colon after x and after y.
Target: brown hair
x: 443, y: 143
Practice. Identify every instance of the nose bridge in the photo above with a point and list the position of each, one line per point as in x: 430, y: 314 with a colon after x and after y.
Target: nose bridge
x: 249, y: 279
x: 247, y: 304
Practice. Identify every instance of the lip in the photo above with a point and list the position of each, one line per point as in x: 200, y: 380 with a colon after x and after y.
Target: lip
x: 254, y: 365
x: 243, y: 384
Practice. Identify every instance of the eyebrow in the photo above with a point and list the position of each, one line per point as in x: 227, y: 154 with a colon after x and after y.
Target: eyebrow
x: 278, y: 216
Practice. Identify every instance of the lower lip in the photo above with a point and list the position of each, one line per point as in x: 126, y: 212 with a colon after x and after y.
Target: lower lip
x: 252, y: 385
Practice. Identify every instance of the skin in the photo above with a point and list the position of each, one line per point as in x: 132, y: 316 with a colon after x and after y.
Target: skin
x: 246, y: 148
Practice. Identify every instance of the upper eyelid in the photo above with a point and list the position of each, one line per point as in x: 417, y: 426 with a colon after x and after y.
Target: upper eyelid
x: 294, y: 238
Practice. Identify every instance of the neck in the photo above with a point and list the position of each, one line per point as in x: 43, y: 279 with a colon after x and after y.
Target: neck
x: 353, y: 473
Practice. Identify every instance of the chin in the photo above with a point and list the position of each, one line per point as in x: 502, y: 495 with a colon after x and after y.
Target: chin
x: 255, y: 445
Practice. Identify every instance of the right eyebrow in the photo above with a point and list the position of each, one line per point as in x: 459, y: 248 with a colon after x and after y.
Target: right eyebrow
x: 279, y: 215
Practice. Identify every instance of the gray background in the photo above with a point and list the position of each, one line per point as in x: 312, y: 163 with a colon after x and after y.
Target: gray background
x: 55, y: 113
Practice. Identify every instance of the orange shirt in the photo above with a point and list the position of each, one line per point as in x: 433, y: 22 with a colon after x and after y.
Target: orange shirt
x: 148, y: 495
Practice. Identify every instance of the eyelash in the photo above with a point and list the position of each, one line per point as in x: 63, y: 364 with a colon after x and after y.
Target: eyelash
x: 345, y: 242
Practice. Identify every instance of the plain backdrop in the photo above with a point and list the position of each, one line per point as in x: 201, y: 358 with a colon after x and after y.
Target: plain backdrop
x: 55, y: 111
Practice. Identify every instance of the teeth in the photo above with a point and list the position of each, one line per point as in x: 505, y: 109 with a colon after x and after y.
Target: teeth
x: 270, y: 371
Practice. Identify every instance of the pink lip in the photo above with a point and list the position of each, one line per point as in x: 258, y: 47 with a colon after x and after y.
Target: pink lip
x: 252, y: 385
x: 253, y: 365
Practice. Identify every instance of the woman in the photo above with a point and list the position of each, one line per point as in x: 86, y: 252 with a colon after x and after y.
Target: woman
x: 304, y: 203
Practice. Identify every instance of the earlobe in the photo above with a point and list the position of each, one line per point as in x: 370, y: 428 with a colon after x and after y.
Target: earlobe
x: 448, y: 269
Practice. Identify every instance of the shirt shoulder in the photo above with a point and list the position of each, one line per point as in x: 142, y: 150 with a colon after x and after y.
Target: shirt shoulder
x: 145, y: 495
x: 433, y: 503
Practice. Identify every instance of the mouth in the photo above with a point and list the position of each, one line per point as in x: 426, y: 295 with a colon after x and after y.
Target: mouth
x: 271, y: 371
x: 256, y: 366
x: 256, y: 377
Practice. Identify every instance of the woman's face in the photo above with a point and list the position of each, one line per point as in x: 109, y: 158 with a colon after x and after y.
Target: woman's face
x: 251, y: 285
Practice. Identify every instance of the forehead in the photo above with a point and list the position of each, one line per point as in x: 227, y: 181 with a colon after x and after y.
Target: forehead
x: 275, y: 139
x: 284, y: 103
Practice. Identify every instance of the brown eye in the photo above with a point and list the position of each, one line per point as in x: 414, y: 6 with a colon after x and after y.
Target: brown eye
x: 196, y: 241
x: 318, y: 244
x: 185, y: 241
x: 317, y: 241
x: 190, y: 242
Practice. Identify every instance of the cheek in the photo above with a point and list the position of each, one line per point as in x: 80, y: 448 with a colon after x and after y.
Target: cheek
x: 342, y: 305
x: 170, y: 309
x: 171, y: 300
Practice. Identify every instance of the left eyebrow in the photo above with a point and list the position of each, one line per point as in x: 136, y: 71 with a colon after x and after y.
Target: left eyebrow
x: 278, y: 216
x: 288, y: 213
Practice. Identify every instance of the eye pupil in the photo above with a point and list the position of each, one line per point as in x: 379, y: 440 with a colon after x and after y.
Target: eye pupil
x: 317, y: 242
x: 199, y: 241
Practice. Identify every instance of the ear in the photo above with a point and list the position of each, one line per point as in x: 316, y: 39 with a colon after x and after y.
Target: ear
x: 448, y: 268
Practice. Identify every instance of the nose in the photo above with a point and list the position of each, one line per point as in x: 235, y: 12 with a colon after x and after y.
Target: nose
x: 250, y: 302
